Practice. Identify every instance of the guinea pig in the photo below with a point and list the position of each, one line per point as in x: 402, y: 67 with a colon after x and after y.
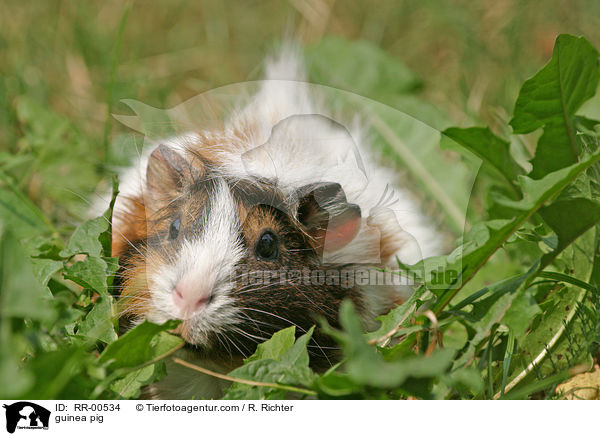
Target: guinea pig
x: 260, y: 223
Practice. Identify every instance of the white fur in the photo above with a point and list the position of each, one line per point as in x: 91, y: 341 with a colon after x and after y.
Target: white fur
x: 282, y: 133
x: 300, y: 150
x: 132, y: 181
x: 207, y: 260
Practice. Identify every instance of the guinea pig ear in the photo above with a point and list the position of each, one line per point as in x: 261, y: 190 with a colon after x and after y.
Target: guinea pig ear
x: 327, y: 216
x: 165, y: 176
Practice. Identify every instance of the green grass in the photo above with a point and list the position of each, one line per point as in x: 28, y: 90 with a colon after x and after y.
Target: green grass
x: 471, y: 56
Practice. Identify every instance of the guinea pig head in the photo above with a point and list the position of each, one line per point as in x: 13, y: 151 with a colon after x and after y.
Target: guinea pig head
x: 237, y: 259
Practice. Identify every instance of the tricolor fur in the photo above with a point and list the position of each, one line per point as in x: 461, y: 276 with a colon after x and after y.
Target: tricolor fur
x: 192, y: 209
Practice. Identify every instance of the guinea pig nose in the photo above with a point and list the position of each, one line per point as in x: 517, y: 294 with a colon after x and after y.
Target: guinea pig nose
x: 189, y: 298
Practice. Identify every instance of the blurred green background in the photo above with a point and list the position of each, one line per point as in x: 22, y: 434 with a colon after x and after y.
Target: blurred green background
x: 65, y: 65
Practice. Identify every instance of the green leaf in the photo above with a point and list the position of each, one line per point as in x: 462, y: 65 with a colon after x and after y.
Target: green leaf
x: 92, y: 238
x: 379, y: 373
x: 483, y: 240
x: 21, y: 294
x: 44, y: 269
x: 467, y: 381
x: 99, y: 323
x: 551, y: 98
x: 548, y: 332
x: 267, y: 371
x: 274, y: 348
x: 297, y: 354
x: 334, y: 384
x: 558, y: 339
x: 595, y: 274
x: 280, y: 360
x: 142, y: 345
x: 365, y: 366
x: 521, y: 312
x: 399, y: 315
x: 130, y: 385
x: 85, y: 239
x: 58, y: 374
x: 560, y: 217
x: 491, y: 310
x: 494, y: 151
x: 535, y: 191
x: 93, y: 273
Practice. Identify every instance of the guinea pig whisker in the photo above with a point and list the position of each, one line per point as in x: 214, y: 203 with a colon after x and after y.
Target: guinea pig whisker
x: 235, y: 345
x: 317, y: 345
x: 250, y: 288
x: 276, y: 316
x: 129, y: 268
x: 224, y: 343
x: 137, y: 303
x: 135, y: 297
x: 253, y: 285
x: 131, y: 243
x: 304, y: 295
x: 81, y: 197
x: 248, y: 335
x: 252, y: 321
x: 248, y: 317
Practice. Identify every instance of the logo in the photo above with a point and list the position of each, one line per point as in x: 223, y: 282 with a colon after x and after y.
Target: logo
x: 26, y: 415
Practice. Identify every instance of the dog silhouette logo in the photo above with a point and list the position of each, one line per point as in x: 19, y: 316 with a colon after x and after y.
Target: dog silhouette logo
x: 26, y: 415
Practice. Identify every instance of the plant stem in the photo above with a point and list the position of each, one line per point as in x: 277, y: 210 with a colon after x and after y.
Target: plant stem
x: 243, y: 381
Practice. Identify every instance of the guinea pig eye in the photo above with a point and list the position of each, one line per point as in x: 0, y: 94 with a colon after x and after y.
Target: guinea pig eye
x: 174, y: 229
x: 266, y: 247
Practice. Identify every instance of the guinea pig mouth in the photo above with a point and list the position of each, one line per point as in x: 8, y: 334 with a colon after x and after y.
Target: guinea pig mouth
x: 215, y: 347
x: 190, y: 335
x: 205, y: 330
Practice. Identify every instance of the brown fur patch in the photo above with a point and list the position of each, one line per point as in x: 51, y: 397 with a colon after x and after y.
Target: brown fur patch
x: 256, y: 221
x: 134, y: 227
x: 134, y: 300
x: 265, y: 308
